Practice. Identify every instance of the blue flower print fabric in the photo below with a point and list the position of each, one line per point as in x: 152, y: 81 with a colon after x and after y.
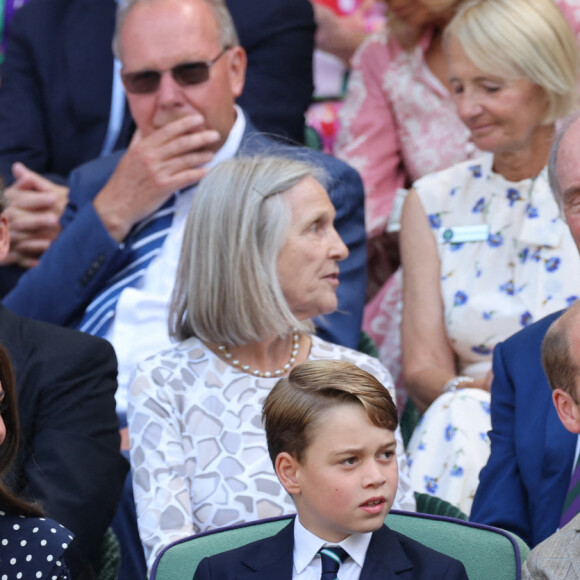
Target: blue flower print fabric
x: 525, y: 267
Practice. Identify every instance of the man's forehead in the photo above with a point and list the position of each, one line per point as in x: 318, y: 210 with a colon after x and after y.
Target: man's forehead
x: 568, y: 161
x: 570, y: 144
x: 159, y: 24
x: 200, y: 9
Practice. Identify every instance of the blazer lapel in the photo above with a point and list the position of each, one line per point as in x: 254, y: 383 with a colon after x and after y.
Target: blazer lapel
x: 254, y: 142
x: 385, y: 557
x: 272, y: 558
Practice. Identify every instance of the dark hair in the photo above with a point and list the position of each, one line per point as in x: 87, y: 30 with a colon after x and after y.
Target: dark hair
x: 9, y: 502
x: 297, y: 402
x: 557, y: 357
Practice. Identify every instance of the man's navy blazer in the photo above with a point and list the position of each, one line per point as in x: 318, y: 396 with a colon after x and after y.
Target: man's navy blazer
x: 57, y: 78
x: 523, y: 486
x: 389, y: 554
x: 69, y: 456
x: 84, y: 256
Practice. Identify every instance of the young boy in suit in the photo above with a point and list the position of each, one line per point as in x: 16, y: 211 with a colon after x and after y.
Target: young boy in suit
x: 330, y: 431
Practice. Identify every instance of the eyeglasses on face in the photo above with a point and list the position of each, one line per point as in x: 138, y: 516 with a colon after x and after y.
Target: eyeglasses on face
x: 144, y: 82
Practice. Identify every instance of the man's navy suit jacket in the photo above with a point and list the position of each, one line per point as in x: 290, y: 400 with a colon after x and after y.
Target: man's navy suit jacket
x: 389, y: 553
x: 84, y: 256
x: 69, y: 456
x: 57, y: 76
x: 523, y: 486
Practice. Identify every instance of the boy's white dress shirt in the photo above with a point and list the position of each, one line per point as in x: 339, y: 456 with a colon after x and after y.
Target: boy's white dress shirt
x: 307, y: 562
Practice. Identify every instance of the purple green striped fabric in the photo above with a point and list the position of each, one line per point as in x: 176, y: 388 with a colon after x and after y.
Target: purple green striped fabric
x: 572, y: 501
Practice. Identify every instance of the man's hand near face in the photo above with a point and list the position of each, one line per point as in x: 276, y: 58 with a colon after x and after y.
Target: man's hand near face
x: 152, y: 169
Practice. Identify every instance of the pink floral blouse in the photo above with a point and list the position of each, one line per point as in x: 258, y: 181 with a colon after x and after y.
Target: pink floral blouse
x: 398, y: 123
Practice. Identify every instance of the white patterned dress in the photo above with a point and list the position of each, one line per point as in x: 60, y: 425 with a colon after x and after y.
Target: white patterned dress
x: 198, y: 449
x: 525, y: 268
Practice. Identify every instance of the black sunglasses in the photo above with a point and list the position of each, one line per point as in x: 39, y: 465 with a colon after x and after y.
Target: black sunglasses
x: 188, y: 73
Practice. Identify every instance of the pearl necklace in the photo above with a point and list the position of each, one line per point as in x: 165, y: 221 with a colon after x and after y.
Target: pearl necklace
x: 265, y: 374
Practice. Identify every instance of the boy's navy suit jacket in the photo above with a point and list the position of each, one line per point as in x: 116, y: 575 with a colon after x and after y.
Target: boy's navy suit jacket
x: 390, y: 555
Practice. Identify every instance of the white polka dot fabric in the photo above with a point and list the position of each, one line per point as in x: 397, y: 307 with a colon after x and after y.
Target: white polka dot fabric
x: 32, y: 548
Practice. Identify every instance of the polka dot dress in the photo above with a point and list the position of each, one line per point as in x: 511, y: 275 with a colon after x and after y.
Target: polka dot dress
x: 32, y: 548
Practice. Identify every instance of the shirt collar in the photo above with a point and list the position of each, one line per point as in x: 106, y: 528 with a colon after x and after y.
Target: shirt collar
x: 234, y: 140
x: 307, y: 545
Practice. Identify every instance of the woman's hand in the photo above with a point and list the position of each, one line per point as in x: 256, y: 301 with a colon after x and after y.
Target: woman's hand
x: 428, y: 357
x: 484, y: 383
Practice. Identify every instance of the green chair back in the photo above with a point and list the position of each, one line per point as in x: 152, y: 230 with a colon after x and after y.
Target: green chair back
x: 431, y: 504
x: 487, y: 553
x: 312, y: 138
x: 409, y: 420
x: 108, y: 559
x: 367, y: 345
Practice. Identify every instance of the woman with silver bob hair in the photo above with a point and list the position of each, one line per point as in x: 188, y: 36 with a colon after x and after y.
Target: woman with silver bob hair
x: 484, y: 250
x: 259, y: 260
x: 237, y: 255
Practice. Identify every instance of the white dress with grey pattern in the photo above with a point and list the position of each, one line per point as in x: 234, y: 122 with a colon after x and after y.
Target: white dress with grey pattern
x: 198, y: 448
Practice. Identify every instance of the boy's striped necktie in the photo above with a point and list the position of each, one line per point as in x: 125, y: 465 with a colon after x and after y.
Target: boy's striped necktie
x: 331, y: 557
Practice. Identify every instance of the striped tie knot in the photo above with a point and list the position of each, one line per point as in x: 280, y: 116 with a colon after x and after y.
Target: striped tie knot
x: 331, y: 558
x: 145, y: 242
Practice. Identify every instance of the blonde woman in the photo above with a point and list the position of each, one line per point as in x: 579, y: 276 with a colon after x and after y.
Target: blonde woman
x: 399, y: 123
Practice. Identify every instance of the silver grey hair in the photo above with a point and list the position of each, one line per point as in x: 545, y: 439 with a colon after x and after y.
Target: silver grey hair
x: 561, y: 131
x: 226, y: 27
x: 227, y: 289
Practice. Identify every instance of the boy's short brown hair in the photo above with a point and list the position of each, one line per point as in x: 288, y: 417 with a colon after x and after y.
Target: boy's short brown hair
x: 295, y: 405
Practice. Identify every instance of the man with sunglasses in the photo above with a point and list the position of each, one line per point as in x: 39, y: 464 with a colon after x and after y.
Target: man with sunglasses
x: 62, y: 102
x: 183, y: 69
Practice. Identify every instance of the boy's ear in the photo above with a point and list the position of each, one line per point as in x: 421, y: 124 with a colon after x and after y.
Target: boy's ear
x: 286, y: 467
x: 568, y: 410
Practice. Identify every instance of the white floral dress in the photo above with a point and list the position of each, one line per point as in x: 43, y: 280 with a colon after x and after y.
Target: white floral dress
x: 398, y: 124
x: 513, y: 262
x: 198, y: 449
